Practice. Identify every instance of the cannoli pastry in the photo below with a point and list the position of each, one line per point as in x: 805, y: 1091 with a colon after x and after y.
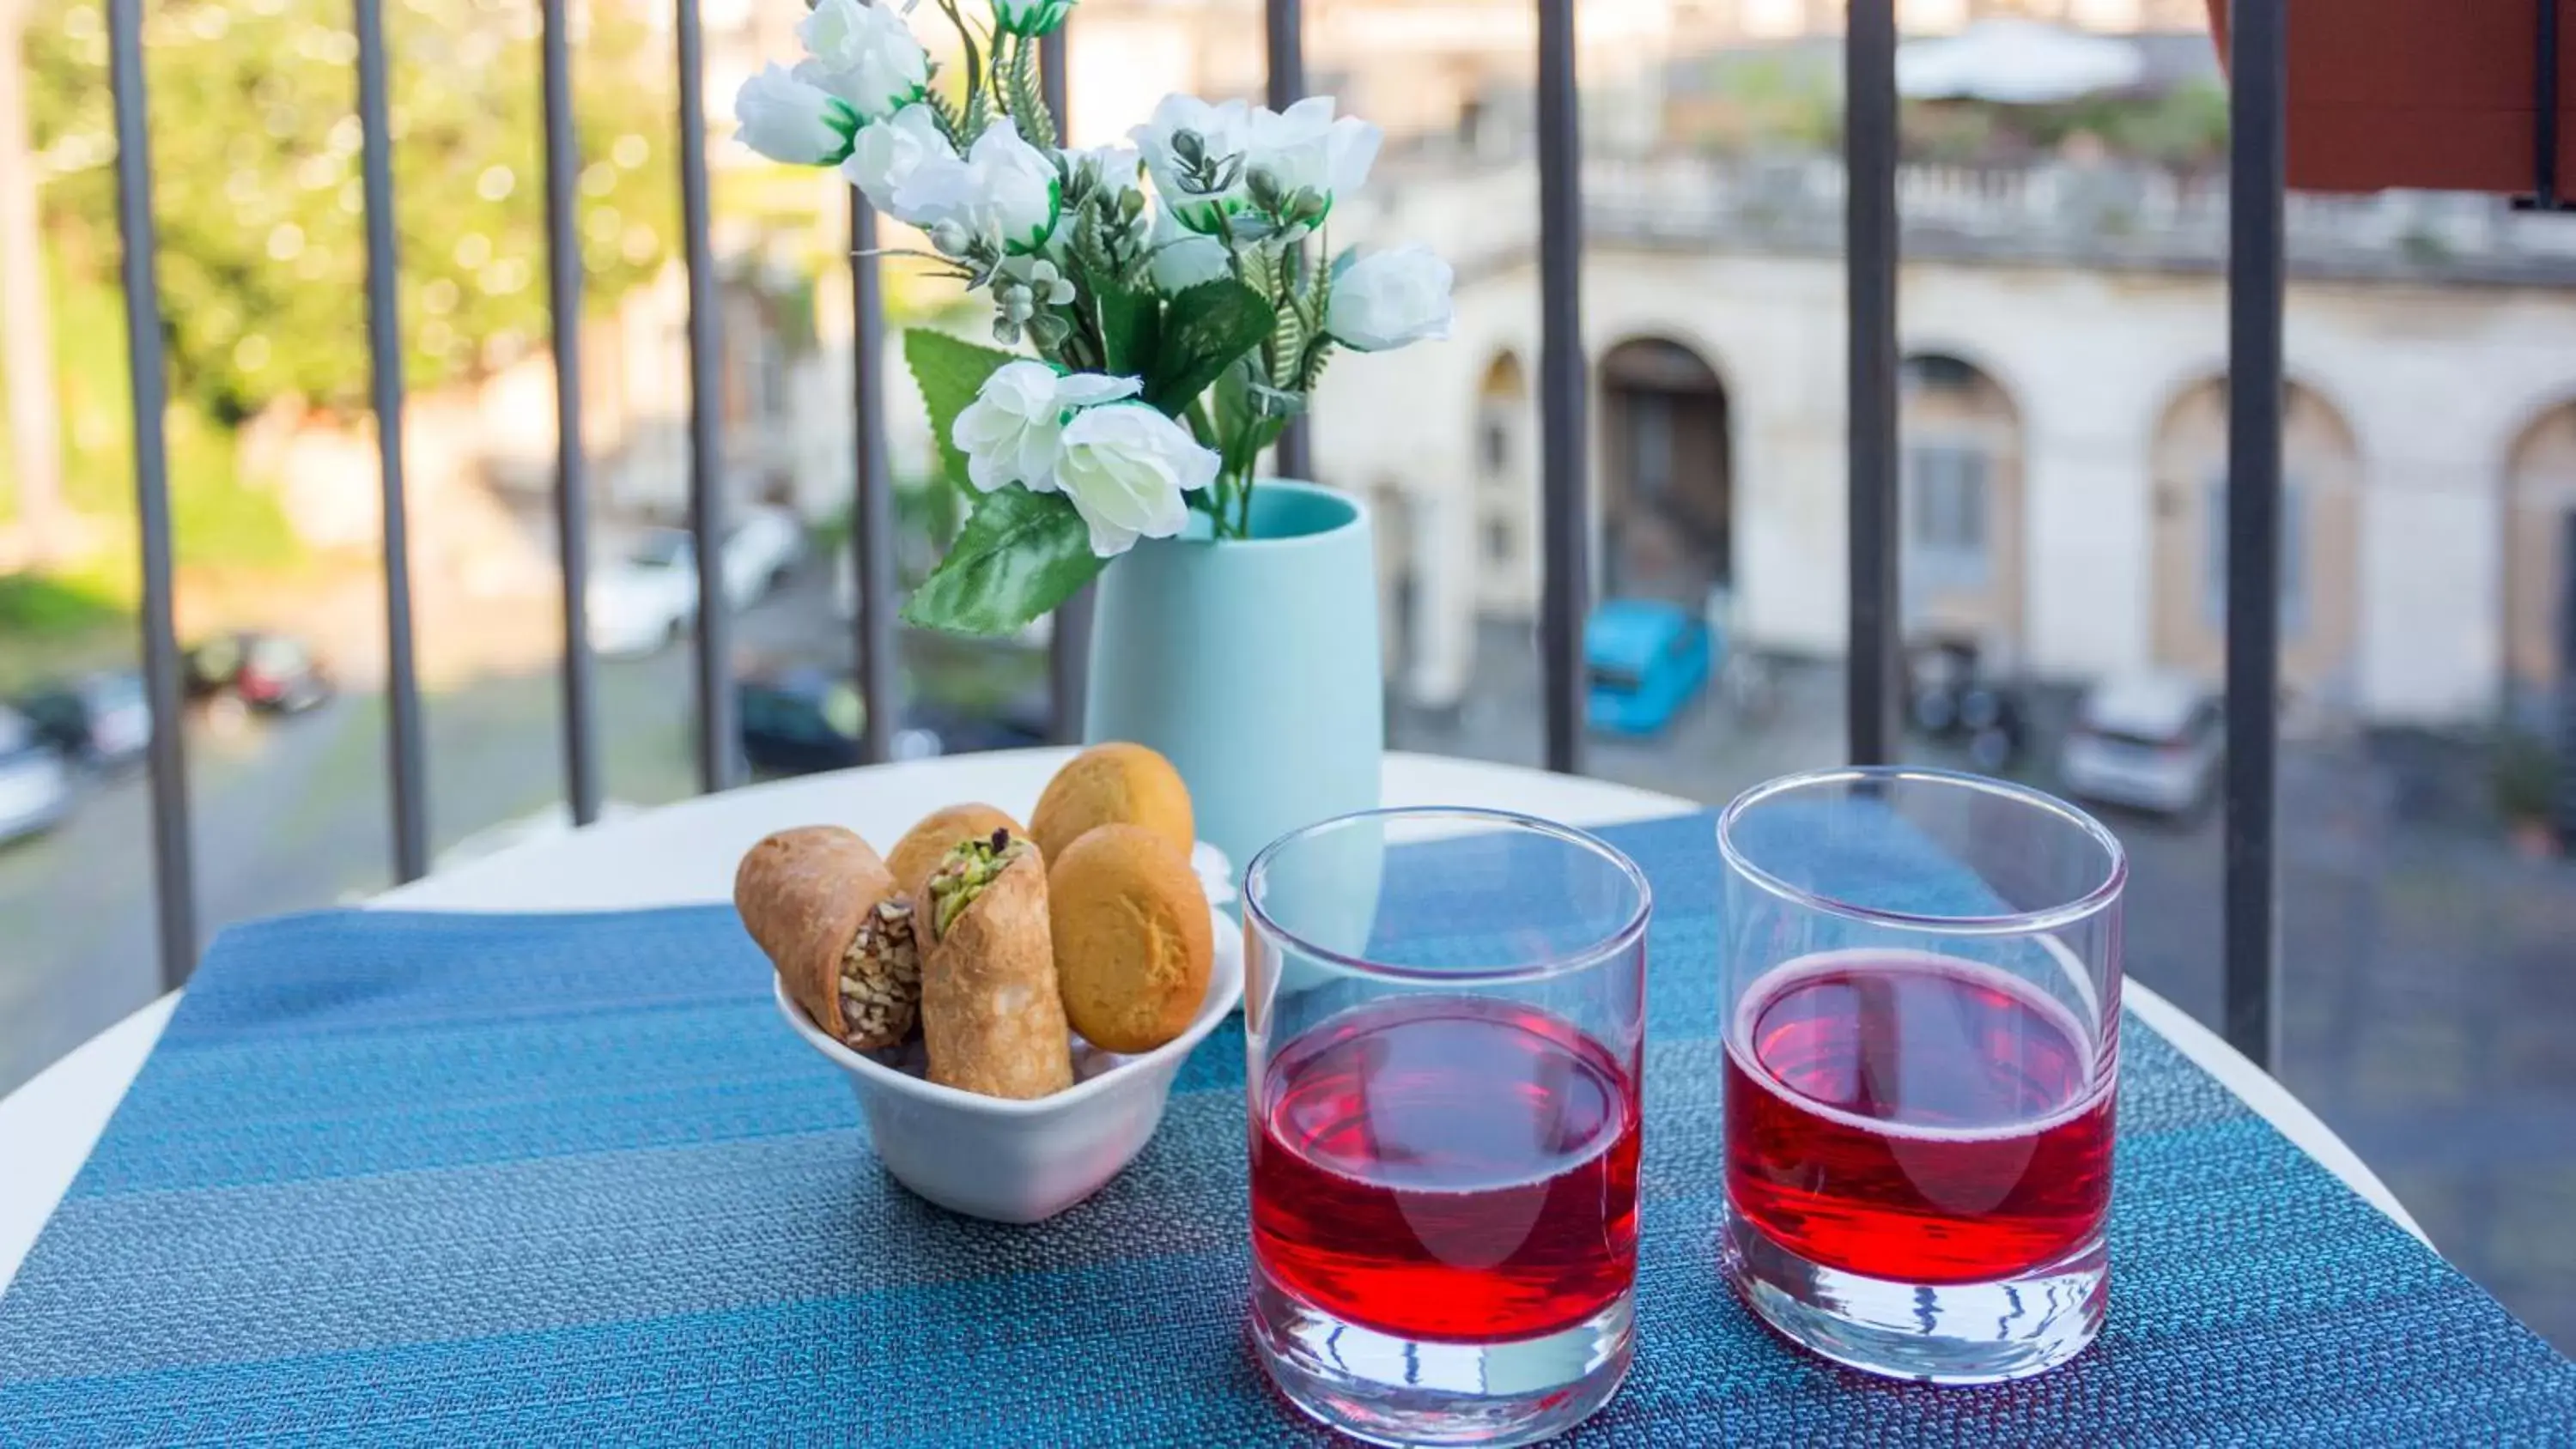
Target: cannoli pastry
x: 924, y: 846
x: 991, y: 1016
x: 825, y: 910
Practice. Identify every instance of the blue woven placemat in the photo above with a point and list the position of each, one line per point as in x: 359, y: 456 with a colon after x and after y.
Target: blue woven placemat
x: 447, y: 1179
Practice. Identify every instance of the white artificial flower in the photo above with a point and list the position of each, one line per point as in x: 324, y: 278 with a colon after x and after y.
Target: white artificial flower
x: 1029, y: 17
x: 1223, y: 131
x: 1010, y: 432
x: 887, y: 153
x: 1304, y: 147
x: 1125, y: 467
x: 785, y: 119
x: 1388, y: 299
x: 865, y: 55
x: 1183, y: 259
x: 1004, y: 190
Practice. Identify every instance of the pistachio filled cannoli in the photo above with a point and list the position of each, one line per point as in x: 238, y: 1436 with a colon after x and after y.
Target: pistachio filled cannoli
x: 825, y: 910
x: 990, y: 1013
x: 927, y: 844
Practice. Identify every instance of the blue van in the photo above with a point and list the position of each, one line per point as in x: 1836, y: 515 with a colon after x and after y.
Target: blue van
x: 1645, y: 660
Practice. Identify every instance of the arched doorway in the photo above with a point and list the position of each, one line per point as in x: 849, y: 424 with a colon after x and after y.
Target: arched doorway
x: 1668, y: 475
x: 2320, y: 540
x: 2539, y: 556
x: 1961, y: 495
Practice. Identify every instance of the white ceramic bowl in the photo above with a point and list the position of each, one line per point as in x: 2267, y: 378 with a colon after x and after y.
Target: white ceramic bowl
x: 1022, y: 1162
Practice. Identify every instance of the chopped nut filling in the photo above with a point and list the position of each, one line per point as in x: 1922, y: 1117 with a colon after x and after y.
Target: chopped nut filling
x: 881, y: 978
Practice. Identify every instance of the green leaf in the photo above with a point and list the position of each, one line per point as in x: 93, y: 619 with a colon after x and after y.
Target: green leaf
x: 950, y: 373
x: 1131, y: 318
x: 1206, y: 329
x: 1020, y: 555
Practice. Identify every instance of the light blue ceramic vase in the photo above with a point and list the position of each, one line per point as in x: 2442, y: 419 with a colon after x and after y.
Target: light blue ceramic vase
x: 1251, y: 663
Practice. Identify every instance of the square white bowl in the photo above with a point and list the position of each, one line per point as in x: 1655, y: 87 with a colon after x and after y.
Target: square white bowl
x: 1023, y: 1161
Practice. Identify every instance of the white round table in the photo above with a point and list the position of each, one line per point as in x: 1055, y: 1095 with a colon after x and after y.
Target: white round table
x: 686, y: 853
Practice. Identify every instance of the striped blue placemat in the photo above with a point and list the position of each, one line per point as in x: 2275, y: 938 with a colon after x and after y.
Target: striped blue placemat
x: 447, y: 1179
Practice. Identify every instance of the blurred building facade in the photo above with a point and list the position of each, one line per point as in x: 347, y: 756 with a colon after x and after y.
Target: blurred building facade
x: 2064, y: 432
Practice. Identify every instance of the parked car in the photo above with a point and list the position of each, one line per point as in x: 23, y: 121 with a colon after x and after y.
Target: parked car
x: 1644, y: 661
x: 269, y: 672
x: 645, y: 598
x: 2152, y: 741
x: 1950, y: 695
x: 99, y: 720
x: 760, y: 552
x: 648, y: 596
x: 35, y: 788
x: 799, y: 721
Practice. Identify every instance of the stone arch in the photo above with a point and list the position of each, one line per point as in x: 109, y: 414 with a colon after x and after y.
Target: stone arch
x: 2320, y: 546
x: 1667, y: 450
x: 2539, y: 557
x: 1962, y: 502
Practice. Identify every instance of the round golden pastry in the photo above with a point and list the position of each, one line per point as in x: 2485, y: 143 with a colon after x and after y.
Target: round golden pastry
x: 1133, y: 944
x: 1113, y: 784
x: 922, y: 848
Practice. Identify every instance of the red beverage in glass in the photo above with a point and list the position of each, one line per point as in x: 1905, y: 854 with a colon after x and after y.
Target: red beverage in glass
x: 1447, y: 1168
x: 1916, y: 1118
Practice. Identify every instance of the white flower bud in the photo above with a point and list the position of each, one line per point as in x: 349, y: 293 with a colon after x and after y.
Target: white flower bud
x: 785, y: 119
x: 865, y: 55
x: 1389, y: 299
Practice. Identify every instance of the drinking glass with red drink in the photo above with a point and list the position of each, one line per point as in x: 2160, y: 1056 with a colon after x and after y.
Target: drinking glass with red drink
x: 1444, y: 1015
x: 1921, y: 988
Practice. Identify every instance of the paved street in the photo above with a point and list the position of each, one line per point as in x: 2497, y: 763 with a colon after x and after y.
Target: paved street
x: 2429, y: 974
x: 2430, y: 986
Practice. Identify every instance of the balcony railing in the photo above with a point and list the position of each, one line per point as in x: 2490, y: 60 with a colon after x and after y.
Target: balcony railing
x: 1868, y: 191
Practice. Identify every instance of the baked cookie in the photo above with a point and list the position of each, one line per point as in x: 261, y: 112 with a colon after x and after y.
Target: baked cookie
x: 1133, y: 944
x: 922, y: 848
x: 1113, y: 784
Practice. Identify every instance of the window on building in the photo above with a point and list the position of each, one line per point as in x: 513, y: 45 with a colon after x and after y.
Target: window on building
x: 1946, y: 513
x: 2294, y: 555
x: 1498, y: 541
x: 1494, y: 445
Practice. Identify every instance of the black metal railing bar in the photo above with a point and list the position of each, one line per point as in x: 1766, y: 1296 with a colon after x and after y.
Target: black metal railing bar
x: 1283, y: 36
x: 1069, y: 634
x: 2258, y: 83
x: 1872, y: 536
x: 719, y: 756
x: 1565, y: 509
x: 405, y: 751
x: 872, y: 553
x: 572, y: 465
x: 2544, y: 112
x: 173, y: 872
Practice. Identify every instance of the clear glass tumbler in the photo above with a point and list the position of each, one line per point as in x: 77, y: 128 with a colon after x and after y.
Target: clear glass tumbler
x: 1922, y: 1010
x: 1444, y: 1013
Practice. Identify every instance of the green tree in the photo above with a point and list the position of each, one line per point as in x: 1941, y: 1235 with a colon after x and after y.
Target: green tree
x: 255, y: 145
